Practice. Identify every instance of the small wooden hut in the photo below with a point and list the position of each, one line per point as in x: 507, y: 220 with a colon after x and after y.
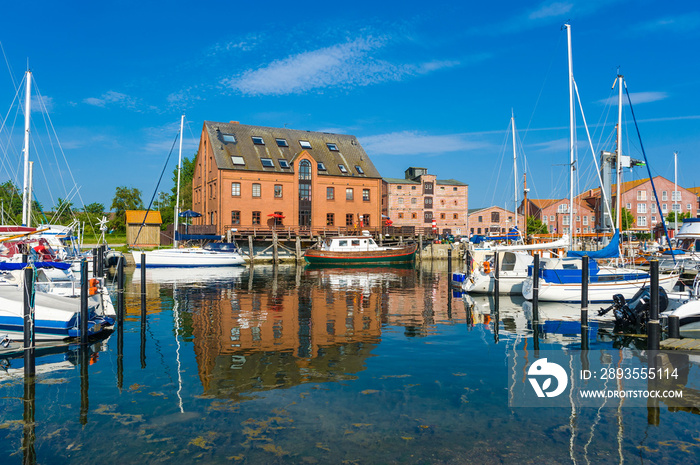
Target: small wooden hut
x: 149, y: 234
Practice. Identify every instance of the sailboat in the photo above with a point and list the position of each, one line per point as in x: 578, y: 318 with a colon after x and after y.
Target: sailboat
x: 226, y: 255
x: 513, y: 260
x: 560, y: 278
x: 56, y: 311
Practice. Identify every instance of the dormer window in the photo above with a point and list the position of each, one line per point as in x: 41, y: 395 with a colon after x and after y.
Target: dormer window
x: 359, y: 169
x: 305, y: 144
x: 332, y: 147
x: 229, y: 138
x: 342, y: 168
x: 258, y: 140
x: 283, y: 163
x: 267, y: 163
x: 321, y: 166
x: 282, y: 143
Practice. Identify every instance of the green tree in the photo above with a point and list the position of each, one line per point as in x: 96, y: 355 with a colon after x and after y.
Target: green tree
x: 62, y: 211
x: 186, y: 176
x: 627, y: 218
x: 535, y: 226
x: 11, y: 200
x: 125, y: 198
x: 671, y: 218
x: 94, y: 209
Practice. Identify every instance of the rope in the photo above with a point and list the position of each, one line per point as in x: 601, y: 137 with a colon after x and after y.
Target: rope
x: 651, y: 179
x: 155, y: 191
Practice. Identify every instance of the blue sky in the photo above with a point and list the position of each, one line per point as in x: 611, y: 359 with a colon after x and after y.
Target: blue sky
x: 419, y: 84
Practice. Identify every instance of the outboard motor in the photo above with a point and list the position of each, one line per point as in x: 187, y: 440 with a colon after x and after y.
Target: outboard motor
x: 635, y: 313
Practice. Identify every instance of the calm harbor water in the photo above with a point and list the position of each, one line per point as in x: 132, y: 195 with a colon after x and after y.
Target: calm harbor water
x: 321, y: 365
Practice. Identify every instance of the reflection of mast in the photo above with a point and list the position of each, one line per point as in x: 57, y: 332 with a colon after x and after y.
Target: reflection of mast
x: 176, y: 321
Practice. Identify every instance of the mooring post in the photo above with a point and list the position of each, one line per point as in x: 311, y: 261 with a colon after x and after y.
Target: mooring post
x: 250, y: 249
x: 298, y: 249
x: 653, y: 327
x: 100, y: 261
x: 536, y: 289
x: 275, y: 254
x: 420, y: 247
x: 29, y: 336
x: 449, y: 263
x: 468, y: 261
x: 29, y: 432
x: 496, y: 276
x: 674, y: 327
x: 120, y: 290
x: 84, y: 302
x: 143, y: 289
x: 94, y: 262
x: 584, y: 303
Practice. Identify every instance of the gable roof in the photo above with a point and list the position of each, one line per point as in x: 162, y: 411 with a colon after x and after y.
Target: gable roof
x: 544, y: 203
x: 694, y: 190
x: 349, y: 153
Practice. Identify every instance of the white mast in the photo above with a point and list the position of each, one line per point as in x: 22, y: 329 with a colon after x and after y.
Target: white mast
x: 571, y: 136
x: 675, y: 188
x: 515, y: 170
x: 618, y: 167
x: 177, y: 190
x: 26, y: 194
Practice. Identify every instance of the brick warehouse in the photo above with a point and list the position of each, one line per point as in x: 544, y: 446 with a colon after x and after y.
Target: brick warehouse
x: 256, y: 178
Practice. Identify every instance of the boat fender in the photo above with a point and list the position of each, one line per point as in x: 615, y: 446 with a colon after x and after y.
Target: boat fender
x: 5, y: 341
x: 487, y: 267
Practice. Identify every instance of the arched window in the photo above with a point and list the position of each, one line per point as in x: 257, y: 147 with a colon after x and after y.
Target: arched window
x: 305, y: 170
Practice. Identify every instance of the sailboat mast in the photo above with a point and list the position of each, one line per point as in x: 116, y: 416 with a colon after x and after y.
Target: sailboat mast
x: 619, y: 153
x: 515, y: 171
x: 571, y: 136
x: 177, y: 190
x: 26, y: 195
x: 675, y: 188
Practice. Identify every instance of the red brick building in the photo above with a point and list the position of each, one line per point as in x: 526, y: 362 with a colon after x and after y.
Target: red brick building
x: 555, y: 214
x: 257, y: 178
x: 492, y: 221
x: 419, y: 198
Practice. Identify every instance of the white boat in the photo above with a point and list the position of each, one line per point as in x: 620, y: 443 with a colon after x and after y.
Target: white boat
x: 55, y: 317
x: 210, y: 255
x: 513, y: 265
x: 686, y: 254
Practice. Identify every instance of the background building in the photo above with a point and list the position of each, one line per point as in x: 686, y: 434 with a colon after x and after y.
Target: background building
x: 420, y: 198
x: 255, y: 177
x: 555, y: 214
x: 492, y: 220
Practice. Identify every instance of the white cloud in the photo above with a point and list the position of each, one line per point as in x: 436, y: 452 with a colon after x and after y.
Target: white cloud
x: 42, y: 103
x: 111, y: 97
x: 678, y: 24
x: 343, y: 65
x: 548, y: 10
x: 416, y: 143
x: 637, y: 98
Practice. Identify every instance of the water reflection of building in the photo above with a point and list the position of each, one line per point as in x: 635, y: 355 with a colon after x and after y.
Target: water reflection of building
x: 280, y: 336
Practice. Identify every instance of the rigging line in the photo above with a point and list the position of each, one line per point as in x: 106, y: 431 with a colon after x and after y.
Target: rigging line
x: 4, y: 123
x: 653, y: 187
x: 45, y: 115
x: 606, y: 202
x: 554, y: 52
x: 156, y: 189
x: 9, y: 68
x: 498, y: 170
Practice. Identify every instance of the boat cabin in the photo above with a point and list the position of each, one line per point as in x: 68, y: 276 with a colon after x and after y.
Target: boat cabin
x: 349, y: 244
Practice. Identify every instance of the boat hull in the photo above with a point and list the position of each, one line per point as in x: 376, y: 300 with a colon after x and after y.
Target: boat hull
x: 597, y: 292
x: 481, y: 283
x: 373, y: 257
x: 187, y: 258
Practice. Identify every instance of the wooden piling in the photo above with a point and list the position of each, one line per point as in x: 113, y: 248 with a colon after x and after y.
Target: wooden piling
x: 29, y: 335
x: 299, y: 257
x: 251, y: 254
x: 653, y: 326
x: 420, y: 247
x: 275, y: 252
x: 84, y: 302
x: 584, y: 303
x: 536, y: 289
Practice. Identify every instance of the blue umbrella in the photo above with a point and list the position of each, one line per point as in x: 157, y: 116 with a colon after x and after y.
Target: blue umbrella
x: 189, y: 214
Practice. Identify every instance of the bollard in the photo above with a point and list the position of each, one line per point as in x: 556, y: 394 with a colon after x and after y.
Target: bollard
x: 674, y: 327
x: 536, y: 289
x: 496, y: 274
x: 83, y: 302
x: 584, y: 303
x: 653, y: 327
x: 29, y: 335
